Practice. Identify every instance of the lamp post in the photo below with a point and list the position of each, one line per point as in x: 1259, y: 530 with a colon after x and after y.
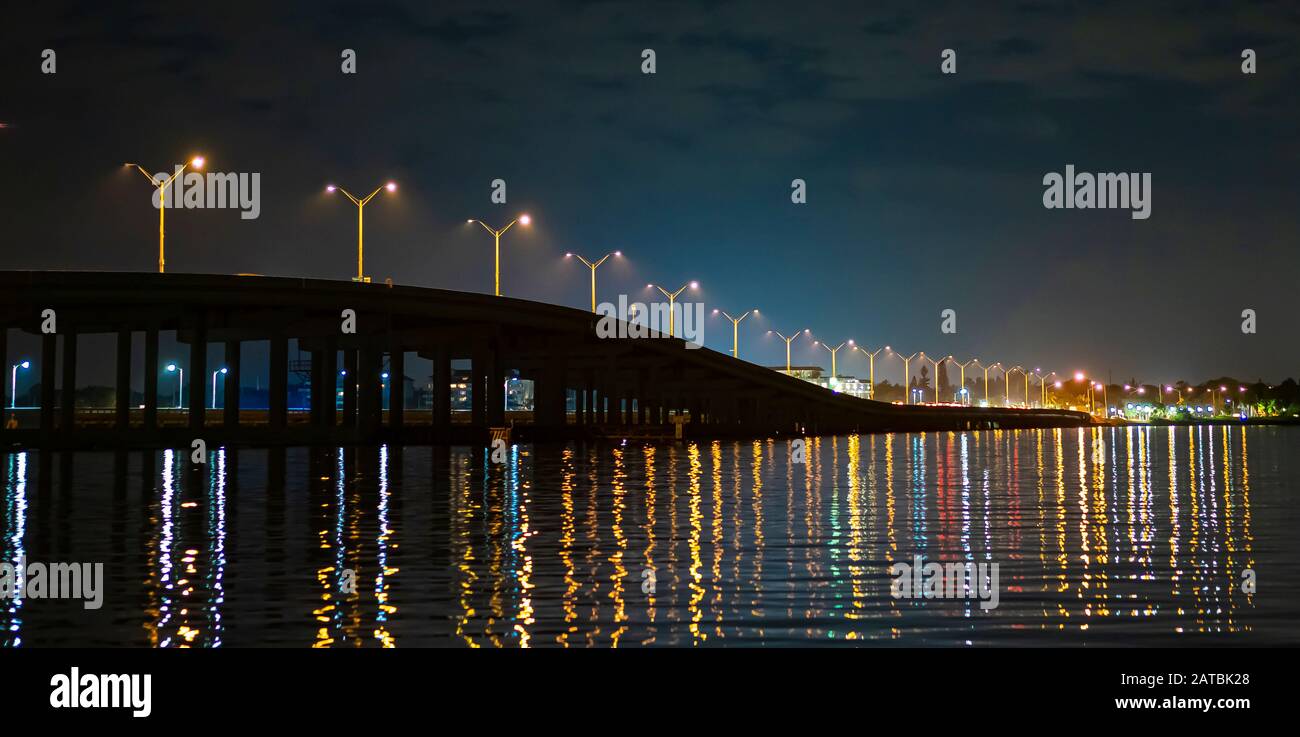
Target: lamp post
x: 360, y: 202
x: 735, y: 329
x: 907, y: 375
x: 593, y: 266
x: 834, y: 351
x: 672, y: 300
x: 788, y: 340
x: 180, y: 385
x: 1042, y: 385
x: 13, y: 382
x: 986, y: 379
x: 871, y: 363
x: 963, y: 366
x: 161, y: 185
x: 936, y: 364
x: 496, y: 235
x: 1006, y: 384
x: 223, y: 371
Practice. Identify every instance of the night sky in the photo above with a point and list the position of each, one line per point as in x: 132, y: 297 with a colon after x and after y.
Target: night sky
x: 924, y: 189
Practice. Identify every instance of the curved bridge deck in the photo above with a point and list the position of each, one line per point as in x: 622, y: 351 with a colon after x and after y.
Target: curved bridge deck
x: 626, y: 387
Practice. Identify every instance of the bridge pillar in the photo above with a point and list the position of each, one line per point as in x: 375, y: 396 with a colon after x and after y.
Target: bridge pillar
x: 122, y: 386
x: 642, y: 410
x: 350, y: 388
x: 316, y: 381
x: 370, y: 393
x: 478, y: 387
x: 198, y: 376
x: 68, y: 398
x: 278, y: 383
x: 49, y: 352
x: 396, y: 387
x: 550, y: 396
x: 151, y: 379
x: 230, y: 408
x: 496, y: 391
x: 588, y: 393
x: 580, y: 406
x: 441, y: 378
x: 329, y: 383
x: 4, y: 391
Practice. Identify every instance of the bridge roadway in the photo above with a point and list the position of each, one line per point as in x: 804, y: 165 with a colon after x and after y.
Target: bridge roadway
x: 622, y: 386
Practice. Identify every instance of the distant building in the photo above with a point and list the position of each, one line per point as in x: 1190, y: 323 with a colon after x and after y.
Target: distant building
x: 807, y: 373
x: 850, y: 385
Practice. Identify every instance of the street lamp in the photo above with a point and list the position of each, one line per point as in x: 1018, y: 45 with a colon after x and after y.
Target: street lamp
x: 871, y: 363
x: 986, y: 379
x: 1006, y: 384
x: 834, y: 371
x: 496, y: 235
x: 907, y: 360
x: 180, y: 385
x: 963, y: 366
x: 13, y: 382
x: 593, y: 267
x: 161, y: 185
x: 222, y: 371
x: 1042, y: 385
x: 735, y: 329
x: 935, y: 363
x: 672, y: 299
x: 360, y: 202
x: 788, y: 340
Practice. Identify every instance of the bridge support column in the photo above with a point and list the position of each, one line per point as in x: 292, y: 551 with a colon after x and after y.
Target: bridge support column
x: 441, y: 378
x: 478, y: 387
x: 49, y: 354
x: 68, y: 395
x: 580, y: 406
x: 496, y: 390
x: 230, y: 407
x: 151, y: 369
x: 316, y: 382
x: 370, y: 392
x: 548, y: 397
x: 396, y: 387
x: 198, y: 376
x: 4, y: 391
x: 642, y: 379
x: 329, y: 382
x: 350, y: 388
x: 122, y: 385
x: 278, y: 383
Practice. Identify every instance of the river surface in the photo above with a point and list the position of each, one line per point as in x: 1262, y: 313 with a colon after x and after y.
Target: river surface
x: 1105, y: 536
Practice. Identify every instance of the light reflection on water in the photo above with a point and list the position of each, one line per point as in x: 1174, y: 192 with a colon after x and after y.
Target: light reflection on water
x: 1103, y: 536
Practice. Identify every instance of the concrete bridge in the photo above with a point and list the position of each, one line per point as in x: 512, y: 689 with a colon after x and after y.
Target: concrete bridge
x: 619, y: 387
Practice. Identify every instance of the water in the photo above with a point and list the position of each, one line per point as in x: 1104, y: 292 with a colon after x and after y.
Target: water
x: 1106, y: 536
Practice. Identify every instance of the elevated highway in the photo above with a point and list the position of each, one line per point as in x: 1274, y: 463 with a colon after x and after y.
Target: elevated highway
x: 584, y: 385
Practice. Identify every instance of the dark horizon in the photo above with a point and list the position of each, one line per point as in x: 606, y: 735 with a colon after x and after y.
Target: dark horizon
x: 924, y: 190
